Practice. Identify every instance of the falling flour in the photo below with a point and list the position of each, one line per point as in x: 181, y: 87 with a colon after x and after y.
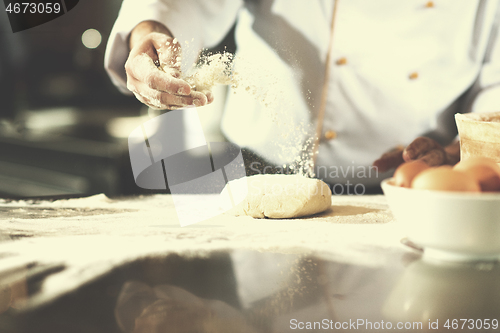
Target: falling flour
x: 214, y: 69
x: 219, y: 69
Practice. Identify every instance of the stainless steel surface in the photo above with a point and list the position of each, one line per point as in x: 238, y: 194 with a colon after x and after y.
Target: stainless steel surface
x: 125, y: 265
x: 204, y: 294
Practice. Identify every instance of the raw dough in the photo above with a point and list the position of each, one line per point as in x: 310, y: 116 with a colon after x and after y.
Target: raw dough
x: 281, y: 196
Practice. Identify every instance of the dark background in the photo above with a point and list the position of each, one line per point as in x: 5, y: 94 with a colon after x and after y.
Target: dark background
x: 55, y: 102
x: 53, y: 56
x: 56, y: 105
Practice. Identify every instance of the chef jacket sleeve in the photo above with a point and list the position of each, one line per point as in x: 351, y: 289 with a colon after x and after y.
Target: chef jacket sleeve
x: 488, y: 97
x: 195, y: 23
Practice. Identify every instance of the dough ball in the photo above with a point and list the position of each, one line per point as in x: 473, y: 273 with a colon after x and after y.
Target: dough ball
x: 281, y: 196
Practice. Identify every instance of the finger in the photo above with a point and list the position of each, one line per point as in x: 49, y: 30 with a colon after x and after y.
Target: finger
x: 164, y: 99
x: 141, y: 95
x: 209, y: 95
x: 389, y: 160
x: 154, y: 105
x: 142, y: 68
x: 174, y: 72
x: 419, y: 147
x: 163, y: 82
x: 200, y: 99
x: 434, y: 157
x: 452, y: 153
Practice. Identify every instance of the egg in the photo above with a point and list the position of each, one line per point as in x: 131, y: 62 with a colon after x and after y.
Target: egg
x: 445, y: 178
x: 484, y: 170
x: 405, y: 173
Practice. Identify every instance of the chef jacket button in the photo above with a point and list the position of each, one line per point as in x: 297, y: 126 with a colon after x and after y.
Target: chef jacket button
x: 429, y: 4
x: 341, y: 61
x: 330, y: 135
x: 413, y: 76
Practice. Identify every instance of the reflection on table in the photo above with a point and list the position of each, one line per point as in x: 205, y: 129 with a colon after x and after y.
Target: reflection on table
x: 256, y: 292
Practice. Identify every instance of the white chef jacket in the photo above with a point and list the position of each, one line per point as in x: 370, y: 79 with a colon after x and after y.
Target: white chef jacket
x: 400, y: 69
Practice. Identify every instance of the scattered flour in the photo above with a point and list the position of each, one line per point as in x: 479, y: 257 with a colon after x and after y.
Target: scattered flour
x: 212, y: 70
x: 219, y: 68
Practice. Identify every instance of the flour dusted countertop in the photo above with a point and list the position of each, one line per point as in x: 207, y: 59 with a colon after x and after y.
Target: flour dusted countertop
x: 90, y: 236
x: 351, y: 219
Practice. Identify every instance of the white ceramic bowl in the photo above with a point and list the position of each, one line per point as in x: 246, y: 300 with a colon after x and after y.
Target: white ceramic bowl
x: 452, y: 225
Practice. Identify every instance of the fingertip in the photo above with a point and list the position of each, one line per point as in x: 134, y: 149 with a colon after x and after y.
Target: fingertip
x: 406, y: 157
x: 408, y: 154
x: 200, y: 101
x: 210, y: 97
x: 204, y: 99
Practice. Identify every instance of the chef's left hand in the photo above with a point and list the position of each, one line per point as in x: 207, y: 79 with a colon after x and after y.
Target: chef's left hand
x: 422, y: 148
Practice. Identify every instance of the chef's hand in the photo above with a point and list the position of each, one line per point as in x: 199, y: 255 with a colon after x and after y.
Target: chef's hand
x: 151, y: 46
x: 421, y: 148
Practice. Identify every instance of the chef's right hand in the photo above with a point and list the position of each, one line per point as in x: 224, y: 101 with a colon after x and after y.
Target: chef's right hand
x: 157, y: 88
